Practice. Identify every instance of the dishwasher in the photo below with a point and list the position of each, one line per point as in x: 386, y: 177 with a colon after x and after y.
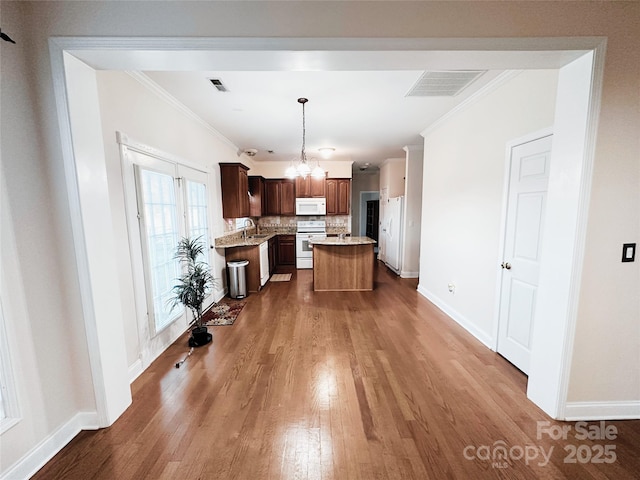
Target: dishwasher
x: 264, y: 263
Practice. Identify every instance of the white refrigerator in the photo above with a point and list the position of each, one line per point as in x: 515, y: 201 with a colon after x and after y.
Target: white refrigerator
x: 392, y: 232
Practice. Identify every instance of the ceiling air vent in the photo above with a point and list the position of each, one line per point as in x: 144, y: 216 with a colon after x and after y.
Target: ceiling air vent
x: 218, y: 84
x: 443, y: 84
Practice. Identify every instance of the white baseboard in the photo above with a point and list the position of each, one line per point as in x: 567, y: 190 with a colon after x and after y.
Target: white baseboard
x: 629, y: 410
x: 135, y: 370
x: 457, y: 317
x: 409, y: 274
x: 219, y: 294
x: 39, y: 455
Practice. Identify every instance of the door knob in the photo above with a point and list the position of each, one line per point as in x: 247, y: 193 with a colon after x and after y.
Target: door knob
x: 506, y: 265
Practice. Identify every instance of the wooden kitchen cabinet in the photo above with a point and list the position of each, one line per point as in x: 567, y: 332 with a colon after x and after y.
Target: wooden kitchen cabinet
x: 310, y: 187
x: 286, y: 249
x: 252, y: 271
x: 273, y: 254
x: 338, y: 196
x: 272, y: 194
x: 287, y: 198
x: 257, y: 197
x: 280, y: 196
x: 234, y: 181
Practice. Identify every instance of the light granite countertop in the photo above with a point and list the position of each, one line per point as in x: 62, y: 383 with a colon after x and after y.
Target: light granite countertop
x: 342, y: 241
x: 237, y: 240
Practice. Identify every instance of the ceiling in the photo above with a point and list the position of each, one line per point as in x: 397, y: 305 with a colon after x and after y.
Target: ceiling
x: 357, y: 88
x: 365, y: 115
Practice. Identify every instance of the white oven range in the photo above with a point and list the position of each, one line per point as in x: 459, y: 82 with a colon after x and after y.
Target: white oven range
x: 307, y: 229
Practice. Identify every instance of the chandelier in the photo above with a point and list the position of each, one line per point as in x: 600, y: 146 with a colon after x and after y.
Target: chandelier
x: 300, y: 167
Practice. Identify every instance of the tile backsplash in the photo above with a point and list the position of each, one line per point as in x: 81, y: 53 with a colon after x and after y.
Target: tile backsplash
x: 335, y: 223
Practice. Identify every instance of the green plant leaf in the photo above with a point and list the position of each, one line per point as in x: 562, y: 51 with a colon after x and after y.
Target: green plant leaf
x: 196, y: 282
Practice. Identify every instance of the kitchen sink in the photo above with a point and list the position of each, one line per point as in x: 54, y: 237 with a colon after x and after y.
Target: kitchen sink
x: 260, y: 235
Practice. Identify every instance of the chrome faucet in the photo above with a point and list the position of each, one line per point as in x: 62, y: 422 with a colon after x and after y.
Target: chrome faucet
x: 246, y: 227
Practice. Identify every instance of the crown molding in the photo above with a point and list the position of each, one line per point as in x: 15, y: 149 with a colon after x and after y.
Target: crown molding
x: 175, y: 103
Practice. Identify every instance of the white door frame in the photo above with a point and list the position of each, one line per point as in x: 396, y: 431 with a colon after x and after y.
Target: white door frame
x: 362, y: 221
x: 565, y: 227
x: 88, y: 196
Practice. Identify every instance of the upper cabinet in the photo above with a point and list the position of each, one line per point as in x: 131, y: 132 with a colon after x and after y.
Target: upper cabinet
x: 234, y: 179
x: 311, y: 187
x: 392, y: 177
x: 272, y: 194
x: 338, y: 196
x: 257, y: 198
x: 287, y: 198
x: 280, y: 197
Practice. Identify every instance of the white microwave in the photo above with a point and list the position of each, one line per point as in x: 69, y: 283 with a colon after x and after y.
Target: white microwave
x: 311, y: 206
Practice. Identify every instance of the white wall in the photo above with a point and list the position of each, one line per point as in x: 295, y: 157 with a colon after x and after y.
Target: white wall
x: 33, y: 161
x: 131, y: 108
x: 39, y: 283
x: 606, y: 357
x: 464, y: 165
x: 24, y: 355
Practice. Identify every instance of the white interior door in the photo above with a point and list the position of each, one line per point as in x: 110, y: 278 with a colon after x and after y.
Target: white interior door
x: 529, y: 176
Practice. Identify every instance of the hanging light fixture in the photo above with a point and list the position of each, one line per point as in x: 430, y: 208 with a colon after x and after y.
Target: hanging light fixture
x: 317, y: 172
x: 300, y: 167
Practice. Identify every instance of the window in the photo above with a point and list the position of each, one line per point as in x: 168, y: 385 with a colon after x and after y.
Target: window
x: 160, y: 236
x: 241, y: 223
x: 196, y: 204
x: 172, y: 203
x: 9, y: 411
x: 166, y: 200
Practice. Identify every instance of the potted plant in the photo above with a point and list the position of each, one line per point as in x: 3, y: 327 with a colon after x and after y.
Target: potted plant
x: 193, y: 286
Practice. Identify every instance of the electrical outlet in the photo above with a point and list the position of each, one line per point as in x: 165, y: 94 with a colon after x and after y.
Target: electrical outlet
x: 452, y: 288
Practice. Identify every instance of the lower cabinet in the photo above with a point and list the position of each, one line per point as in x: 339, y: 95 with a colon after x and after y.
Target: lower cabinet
x: 286, y: 249
x: 273, y: 254
x: 252, y: 271
x: 281, y: 251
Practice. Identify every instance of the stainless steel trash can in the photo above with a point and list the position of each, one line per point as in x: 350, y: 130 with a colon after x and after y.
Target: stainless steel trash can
x: 237, y: 278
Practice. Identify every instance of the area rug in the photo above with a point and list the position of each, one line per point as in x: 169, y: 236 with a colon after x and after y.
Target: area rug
x: 280, y: 277
x: 223, y: 313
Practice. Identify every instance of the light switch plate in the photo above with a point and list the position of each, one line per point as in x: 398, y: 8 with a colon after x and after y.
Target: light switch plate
x: 628, y: 252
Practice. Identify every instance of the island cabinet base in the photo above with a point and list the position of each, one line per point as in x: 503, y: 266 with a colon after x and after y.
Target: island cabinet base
x: 342, y: 268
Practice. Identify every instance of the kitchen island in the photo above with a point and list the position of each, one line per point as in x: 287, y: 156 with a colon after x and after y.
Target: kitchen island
x: 343, y: 264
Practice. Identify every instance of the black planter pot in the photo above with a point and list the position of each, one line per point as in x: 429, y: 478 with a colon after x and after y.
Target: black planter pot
x: 199, y: 337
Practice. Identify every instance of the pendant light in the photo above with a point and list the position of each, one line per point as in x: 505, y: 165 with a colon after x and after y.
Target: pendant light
x: 300, y: 167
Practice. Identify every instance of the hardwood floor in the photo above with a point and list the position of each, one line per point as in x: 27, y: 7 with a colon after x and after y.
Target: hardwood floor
x: 357, y: 385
